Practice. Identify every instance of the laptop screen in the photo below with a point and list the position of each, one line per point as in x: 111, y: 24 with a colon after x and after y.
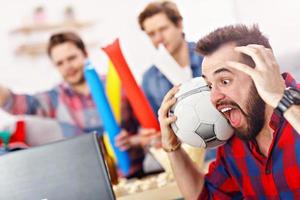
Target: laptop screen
x: 70, y: 169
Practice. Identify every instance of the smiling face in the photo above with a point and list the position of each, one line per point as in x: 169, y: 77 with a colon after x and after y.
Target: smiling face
x: 233, y: 92
x: 69, y: 60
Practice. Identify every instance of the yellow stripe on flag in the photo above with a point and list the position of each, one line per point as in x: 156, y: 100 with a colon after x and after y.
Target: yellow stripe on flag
x: 113, y: 91
x: 109, y: 148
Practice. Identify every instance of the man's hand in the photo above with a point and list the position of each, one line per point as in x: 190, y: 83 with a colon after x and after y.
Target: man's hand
x: 145, y: 137
x: 150, y: 137
x: 169, y: 139
x: 266, y: 74
x: 123, y: 140
x: 189, y: 179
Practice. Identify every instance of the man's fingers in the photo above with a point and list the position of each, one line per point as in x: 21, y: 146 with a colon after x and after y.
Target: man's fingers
x: 272, y: 60
x: 254, y: 53
x: 241, y: 67
x: 122, y: 135
x: 168, y: 105
x: 170, y: 120
x: 171, y: 93
x: 257, y: 46
x: 120, y: 143
x: 124, y: 147
x: 164, y: 109
x: 168, y: 101
x: 147, y: 131
x: 266, y: 53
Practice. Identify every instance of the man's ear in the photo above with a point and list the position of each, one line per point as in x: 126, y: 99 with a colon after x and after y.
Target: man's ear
x: 85, y: 54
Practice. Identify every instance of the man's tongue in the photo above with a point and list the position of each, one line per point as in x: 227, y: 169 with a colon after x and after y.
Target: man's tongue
x: 235, y: 117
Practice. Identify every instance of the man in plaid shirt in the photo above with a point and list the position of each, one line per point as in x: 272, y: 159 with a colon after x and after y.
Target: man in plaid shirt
x: 71, y: 102
x: 262, y: 159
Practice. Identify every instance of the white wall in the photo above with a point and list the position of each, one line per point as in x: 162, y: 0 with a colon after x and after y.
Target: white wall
x: 279, y: 20
x: 118, y: 18
x: 113, y: 18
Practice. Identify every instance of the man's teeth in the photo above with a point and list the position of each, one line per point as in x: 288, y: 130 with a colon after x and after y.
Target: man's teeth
x: 223, y: 110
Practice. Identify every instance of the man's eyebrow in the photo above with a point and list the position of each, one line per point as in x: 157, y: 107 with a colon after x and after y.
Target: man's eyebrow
x: 222, y: 70
x: 218, y: 71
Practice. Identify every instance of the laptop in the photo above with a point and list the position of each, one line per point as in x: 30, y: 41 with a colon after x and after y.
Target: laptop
x: 69, y: 169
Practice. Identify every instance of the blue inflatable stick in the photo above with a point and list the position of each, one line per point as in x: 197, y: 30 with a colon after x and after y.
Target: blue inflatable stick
x: 106, y: 114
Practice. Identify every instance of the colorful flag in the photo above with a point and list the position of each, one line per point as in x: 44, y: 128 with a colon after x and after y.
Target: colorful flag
x: 113, y: 91
x: 135, y: 95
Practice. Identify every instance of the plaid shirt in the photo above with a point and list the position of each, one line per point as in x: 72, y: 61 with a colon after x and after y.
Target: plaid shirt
x: 242, y: 172
x: 75, y: 113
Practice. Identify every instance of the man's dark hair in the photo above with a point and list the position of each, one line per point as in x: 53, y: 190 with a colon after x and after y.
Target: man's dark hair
x: 168, y: 8
x: 62, y: 37
x: 240, y: 35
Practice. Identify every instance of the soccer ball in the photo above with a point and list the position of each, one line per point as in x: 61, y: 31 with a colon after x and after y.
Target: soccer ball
x: 198, y: 122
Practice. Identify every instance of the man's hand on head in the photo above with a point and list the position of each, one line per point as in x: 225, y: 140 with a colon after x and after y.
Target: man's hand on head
x: 266, y: 73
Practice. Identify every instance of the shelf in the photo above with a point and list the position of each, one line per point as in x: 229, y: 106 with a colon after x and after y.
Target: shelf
x: 27, y: 29
x: 31, y: 49
x: 36, y: 49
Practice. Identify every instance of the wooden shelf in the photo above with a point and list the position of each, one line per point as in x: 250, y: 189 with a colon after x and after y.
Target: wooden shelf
x: 27, y: 29
x: 36, y: 49
x: 33, y: 49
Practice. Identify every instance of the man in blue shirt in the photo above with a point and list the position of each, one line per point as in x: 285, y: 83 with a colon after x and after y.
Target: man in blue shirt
x: 162, y: 22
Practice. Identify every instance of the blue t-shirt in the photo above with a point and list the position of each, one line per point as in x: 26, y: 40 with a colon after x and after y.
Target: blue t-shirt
x: 156, y: 85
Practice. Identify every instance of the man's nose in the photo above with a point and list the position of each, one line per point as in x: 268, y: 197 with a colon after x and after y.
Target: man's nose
x: 158, y: 39
x: 216, y: 95
x: 66, y: 66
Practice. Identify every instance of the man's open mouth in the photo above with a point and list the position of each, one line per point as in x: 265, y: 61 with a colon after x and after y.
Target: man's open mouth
x: 232, y: 113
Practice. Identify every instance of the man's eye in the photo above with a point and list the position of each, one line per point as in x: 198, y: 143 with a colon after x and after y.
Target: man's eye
x: 59, y: 64
x: 72, y: 58
x: 225, y: 82
x: 151, y: 34
x: 163, y: 28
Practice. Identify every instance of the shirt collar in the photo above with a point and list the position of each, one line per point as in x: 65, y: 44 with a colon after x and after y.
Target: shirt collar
x: 66, y: 87
x: 194, y: 63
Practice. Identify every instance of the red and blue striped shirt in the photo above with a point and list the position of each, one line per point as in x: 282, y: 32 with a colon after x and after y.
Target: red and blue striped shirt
x: 75, y: 113
x: 240, y: 171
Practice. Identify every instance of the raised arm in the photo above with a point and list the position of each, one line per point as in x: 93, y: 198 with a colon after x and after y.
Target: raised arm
x: 41, y: 104
x: 189, y: 179
x: 4, y: 95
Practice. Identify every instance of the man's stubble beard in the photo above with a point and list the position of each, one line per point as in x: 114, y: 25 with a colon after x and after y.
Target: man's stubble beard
x: 255, y: 116
x: 79, y: 82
